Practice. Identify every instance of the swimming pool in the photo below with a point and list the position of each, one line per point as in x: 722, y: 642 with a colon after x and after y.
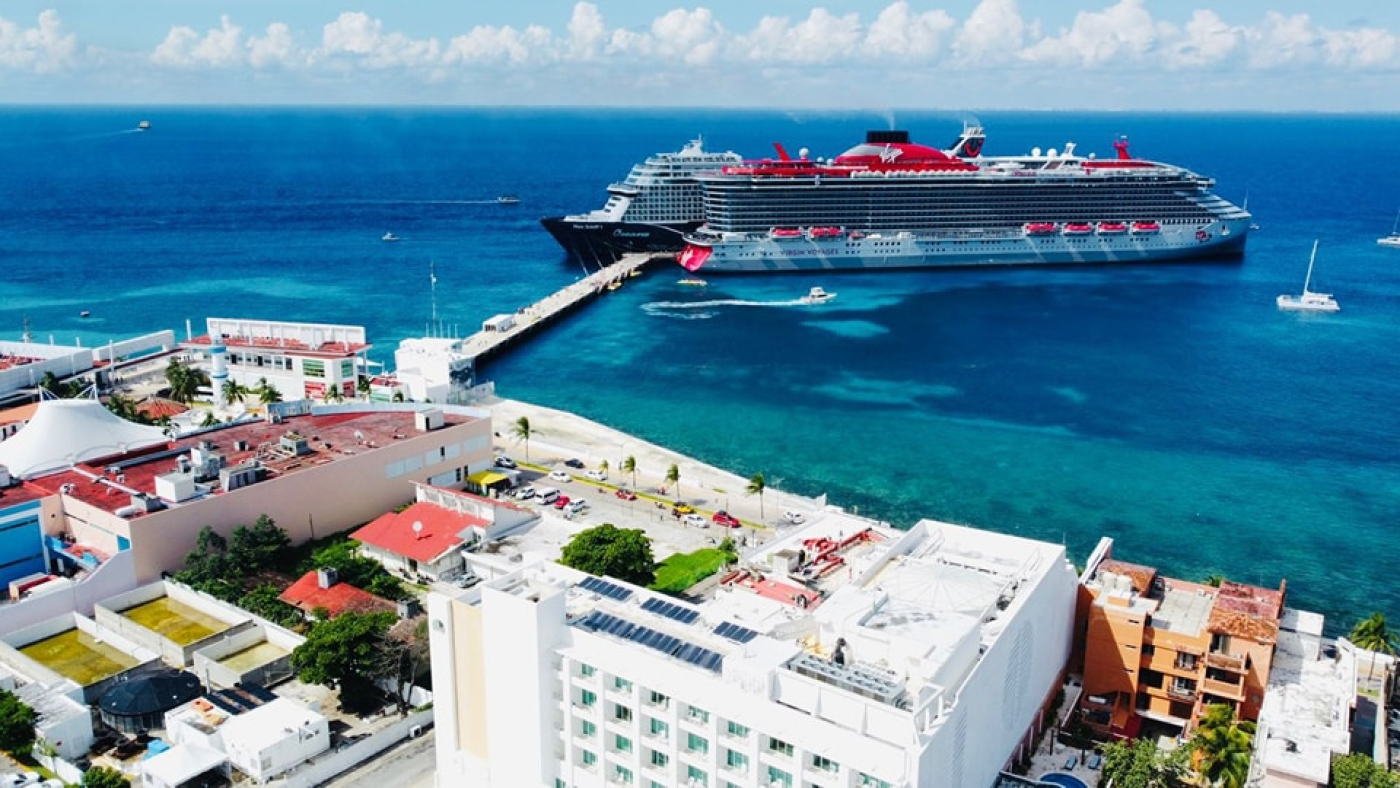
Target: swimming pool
x: 1060, y: 778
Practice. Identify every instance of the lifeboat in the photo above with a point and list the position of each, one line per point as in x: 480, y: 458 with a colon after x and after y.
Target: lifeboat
x: 1041, y: 228
x: 1112, y: 228
x: 785, y: 232
x: 1146, y: 228
x: 1078, y: 228
x: 825, y: 232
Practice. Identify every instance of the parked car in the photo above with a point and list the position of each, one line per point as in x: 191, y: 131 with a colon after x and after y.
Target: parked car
x: 546, y: 495
x: 696, y: 521
x: 597, y: 475
x: 466, y: 580
x: 561, y: 502
x: 682, y: 508
x: 524, y: 493
x: 793, y: 517
x: 560, y: 476
x: 576, y: 505
x: 625, y: 494
x: 19, y: 779
x: 574, y: 462
x: 503, y: 461
x: 726, y: 519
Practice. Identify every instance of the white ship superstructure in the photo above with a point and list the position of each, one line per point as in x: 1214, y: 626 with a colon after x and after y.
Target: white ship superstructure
x: 890, y: 203
x: 843, y: 654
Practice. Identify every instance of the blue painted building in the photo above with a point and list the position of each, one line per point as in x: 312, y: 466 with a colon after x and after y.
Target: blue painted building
x: 21, y: 541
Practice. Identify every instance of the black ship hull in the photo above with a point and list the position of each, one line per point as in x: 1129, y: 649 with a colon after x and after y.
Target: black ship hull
x: 606, y: 242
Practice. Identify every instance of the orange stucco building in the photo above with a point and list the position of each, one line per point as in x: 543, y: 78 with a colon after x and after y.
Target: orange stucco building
x: 1156, y: 648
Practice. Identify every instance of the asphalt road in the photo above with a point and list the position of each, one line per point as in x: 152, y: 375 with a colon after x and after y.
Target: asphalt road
x: 409, y: 764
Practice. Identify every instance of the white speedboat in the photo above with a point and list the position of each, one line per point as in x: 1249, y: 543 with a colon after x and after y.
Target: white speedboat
x: 1394, y: 238
x: 1309, y: 301
x: 817, y: 296
x: 389, y: 237
x: 507, y: 199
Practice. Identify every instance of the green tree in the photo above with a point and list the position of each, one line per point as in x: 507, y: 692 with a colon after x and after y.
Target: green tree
x: 209, y: 420
x: 16, y: 724
x: 629, y: 466
x: 1138, y: 764
x: 521, y: 431
x: 673, y: 480
x: 603, y: 466
x: 757, y: 485
x: 104, y: 777
x: 1214, y: 580
x: 362, y: 385
x: 345, y: 648
x: 623, y: 553
x: 234, y: 391
x: 1223, y: 747
x: 1373, y: 634
x: 208, y: 566
x: 258, y: 547
x: 123, y: 407
x: 265, y: 600
x: 267, y: 393
x: 184, y: 380
x: 1357, y: 770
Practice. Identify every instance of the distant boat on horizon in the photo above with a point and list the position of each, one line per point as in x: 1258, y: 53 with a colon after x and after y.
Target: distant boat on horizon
x: 1309, y: 301
x: 389, y: 237
x: 1394, y: 238
x: 144, y: 125
x: 508, y: 199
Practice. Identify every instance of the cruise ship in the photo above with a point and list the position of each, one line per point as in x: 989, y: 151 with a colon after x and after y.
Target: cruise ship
x: 892, y: 203
x: 649, y: 211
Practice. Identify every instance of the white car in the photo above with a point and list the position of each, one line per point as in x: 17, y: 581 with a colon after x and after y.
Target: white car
x: 560, y: 476
x: 696, y: 520
x: 598, y: 475
x: 19, y: 779
x: 793, y: 517
x: 576, y: 505
x: 524, y: 493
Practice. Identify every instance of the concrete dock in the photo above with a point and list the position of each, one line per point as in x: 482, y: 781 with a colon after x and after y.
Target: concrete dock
x: 485, y: 343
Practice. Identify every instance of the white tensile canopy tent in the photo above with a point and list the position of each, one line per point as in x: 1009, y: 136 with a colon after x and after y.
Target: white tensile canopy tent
x: 64, y: 432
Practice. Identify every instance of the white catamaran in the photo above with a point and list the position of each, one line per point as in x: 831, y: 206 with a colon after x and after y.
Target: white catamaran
x: 1309, y: 301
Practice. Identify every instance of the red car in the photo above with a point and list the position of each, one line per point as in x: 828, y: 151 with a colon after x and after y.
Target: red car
x: 561, y: 502
x: 625, y: 494
x: 726, y: 519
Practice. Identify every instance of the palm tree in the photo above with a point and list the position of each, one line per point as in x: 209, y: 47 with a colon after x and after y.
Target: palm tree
x: 673, y: 479
x: 122, y: 407
x: 363, y: 386
x: 268, y: 393
x: 210, y: 420
x: 603, y: 466
x: 1224, y: 747
x: 1214, y: 580
x: 756, y: 487
x: 522, y: 432
x: 1372, y: 634
x: 629, y: 465
x: 234, y: 391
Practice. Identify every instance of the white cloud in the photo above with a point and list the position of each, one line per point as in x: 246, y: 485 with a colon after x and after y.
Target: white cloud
x: 183, y: 46
x: 1124, y: 32
x: 900, y: 33
x: 485, y: 44
x: 1205, y: 40
x: 1282, y: 41
x: 588, y: 33
x: 820, y: 38
x: 1365, y: 48
x: 42, y: 49
x: 356, y: 36
x: 993, y: 33
x: 275, y: 48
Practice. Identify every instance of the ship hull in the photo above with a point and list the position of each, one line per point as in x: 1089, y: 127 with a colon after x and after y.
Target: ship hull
x: 607, y: 242
x: 1215, y: 240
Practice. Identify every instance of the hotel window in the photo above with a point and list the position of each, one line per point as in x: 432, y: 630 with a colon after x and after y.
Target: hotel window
x: 697, y: 774
x: 622, y: 713
x: 740, y: 731
x: 588, y: 698
x: 313, y: 369
x: 779, y: 746
x: 658, y: 699
x: 697, y: 743
x: 736, y: 760
x: 347, y: 370
x: 622, y: 684
x: 659, y: 758
x: 585, y: 670
x: 866, y: 781
x: 825, y: 764
x: 589, y: 729
x: 776, y: 775
x: 622, y: 743
x: 698, y: 714
x: 659, y: 728
x: 589, y: 758
x: 623, y: 774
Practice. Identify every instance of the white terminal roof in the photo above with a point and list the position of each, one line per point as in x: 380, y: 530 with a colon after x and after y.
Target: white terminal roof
x: 64, y: 432
x: 913, y: 607
x: 257, y: 729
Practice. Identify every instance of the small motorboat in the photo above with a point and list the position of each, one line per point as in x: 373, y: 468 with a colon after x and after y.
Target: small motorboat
x: 817, y: 296
x: 84, y: 313
x: 389, y: 237
x: 507, y: 199
x: 144, y: 125
x: 692, y: 282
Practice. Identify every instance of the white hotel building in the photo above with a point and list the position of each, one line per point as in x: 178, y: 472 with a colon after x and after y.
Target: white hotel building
x: 917, y: 658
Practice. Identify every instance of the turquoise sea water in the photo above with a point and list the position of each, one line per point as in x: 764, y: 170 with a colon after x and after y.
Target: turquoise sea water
x: 1172, y: 407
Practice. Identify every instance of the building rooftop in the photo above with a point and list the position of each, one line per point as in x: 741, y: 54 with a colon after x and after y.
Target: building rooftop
x: 110, y: 482
x: 276, y: 336
x: 1185, y: 608
x: 21, y: 493
x: 306, y: 594
x: 1307, y: 706
x: 423, y: 531
x: 253, y: 731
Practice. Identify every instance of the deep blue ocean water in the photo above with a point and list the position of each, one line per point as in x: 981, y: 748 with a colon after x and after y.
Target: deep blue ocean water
x: 1172, y: 407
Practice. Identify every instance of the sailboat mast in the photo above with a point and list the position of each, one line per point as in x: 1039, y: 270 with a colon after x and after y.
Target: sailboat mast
x: 1308, y: 280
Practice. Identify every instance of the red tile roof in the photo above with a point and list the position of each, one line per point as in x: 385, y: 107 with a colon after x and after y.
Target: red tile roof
x: 18, y: 415
x: 394, y: 532
x: 306, y: 594
x: 156, y: 408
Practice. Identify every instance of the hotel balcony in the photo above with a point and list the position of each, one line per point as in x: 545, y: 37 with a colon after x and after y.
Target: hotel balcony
x: 1225, y: 689
x: 1187, y: 694
x: 1226, y: 661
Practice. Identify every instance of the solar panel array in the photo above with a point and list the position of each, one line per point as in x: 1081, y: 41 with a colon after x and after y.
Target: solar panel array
x: 734, y: 632
x: 609, y: 590
x: 670, y: 610
x: 598, y: 621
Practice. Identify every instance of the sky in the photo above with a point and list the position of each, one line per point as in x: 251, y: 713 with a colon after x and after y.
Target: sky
x: 1174, y: 55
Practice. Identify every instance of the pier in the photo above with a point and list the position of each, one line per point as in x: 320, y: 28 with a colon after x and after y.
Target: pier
x: 490, y: 340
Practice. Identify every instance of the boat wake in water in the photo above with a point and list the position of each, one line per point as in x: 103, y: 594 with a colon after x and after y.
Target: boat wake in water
x: 700, y: 310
